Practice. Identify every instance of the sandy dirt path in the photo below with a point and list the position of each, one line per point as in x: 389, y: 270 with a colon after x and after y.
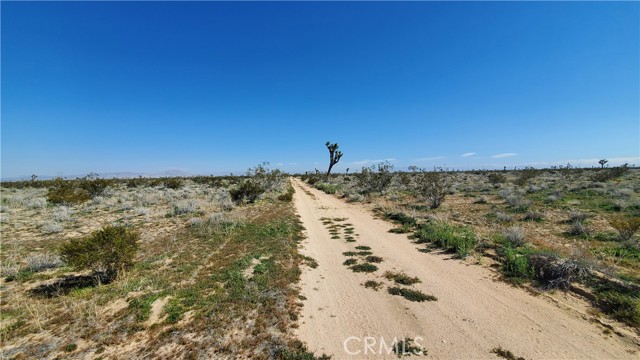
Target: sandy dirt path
x: 474, y: 313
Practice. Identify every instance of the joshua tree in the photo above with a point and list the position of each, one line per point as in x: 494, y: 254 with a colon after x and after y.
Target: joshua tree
x: 347, y: 170
x: 602, y: 162
x: 334, y: 156
x: 34, y: 177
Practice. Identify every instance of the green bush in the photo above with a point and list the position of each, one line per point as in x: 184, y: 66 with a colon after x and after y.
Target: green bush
x: 525, y: 175
x: 622, y: 304
x: 603, y: 175
x: 460, y: 239
x: 401, y: 218
x: 375, y: 178
x: 172, y: 183
x: 66, y: 192
x: 288, y: 196
x: 625, y: 227
x: 76, y: 191
x: 248, y: 191
x: 433, y: 187
x: 327, y: 188
x: 515, y: 264
x: 495, y: 178
x: 106, y: 252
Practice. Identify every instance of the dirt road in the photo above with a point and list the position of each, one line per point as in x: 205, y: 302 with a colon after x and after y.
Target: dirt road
x: 474, y: 313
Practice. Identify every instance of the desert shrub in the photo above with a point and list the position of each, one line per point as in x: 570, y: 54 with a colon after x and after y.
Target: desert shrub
x: 184, y: 207
x: 62, y: 213
x: 313, y: 179
x: 577, y: 216
x: 514, y: 236
x: 37, y: 203
x: 433, y: 187
x: 66, y: 192
x: 77, y: 191
x: 554, y: 272
x: 354, y: 197
x: 373, y: 259
x: 93, y: 185
x: 42, y: 261
x: 504, y: 218
x: 603, y: 175
x: 52, y: 227
x: 622, y: 303
x: 532, y: 216
x: 411, y: 295
x: 193, y: 222
x: 375, y: 178
x: 266, y: 178
x: 327, y: 187
x: 578, y: 228
x: 136, y: 182
x: 525, y: 175
x: 481, y: 200
x: 517, y: 203
x: 496, y: 178
x: 106, y: 252
x: 172, y: 183
x: 626, y: 227
x: 288, y: 196
x: 141, y: 211
x: 247, y: 191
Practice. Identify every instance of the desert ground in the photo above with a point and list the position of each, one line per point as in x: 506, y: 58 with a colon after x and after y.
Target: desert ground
x: 269, y: 265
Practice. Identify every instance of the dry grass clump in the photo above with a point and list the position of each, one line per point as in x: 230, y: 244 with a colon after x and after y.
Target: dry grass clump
x: 42, y: 261
x: 514, y: 236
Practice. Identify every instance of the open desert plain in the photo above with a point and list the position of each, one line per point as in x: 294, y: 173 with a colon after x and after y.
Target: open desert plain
x: 308, y: 180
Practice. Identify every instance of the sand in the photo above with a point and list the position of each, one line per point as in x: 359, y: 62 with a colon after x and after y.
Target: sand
x: 475, y: 312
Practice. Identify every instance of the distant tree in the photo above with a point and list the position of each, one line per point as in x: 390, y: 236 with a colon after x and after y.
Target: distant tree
x: 602, y: 162
x: 334, y: 155
x: 34, y: 177
x: 347, y: 170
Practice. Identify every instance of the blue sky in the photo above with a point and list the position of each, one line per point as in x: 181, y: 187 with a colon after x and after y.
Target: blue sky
x: 220, y: 87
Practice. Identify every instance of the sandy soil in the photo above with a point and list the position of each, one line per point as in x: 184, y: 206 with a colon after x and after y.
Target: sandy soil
x: 474, y: 313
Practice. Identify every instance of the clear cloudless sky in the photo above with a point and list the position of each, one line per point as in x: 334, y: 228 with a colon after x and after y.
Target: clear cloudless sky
x: 218, y: 87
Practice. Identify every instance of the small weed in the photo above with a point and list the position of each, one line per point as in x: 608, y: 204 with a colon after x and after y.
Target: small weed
x: 408, y: 347
x: 411, y: 295
x: 310, y: 262
x: 505, y: 354
x: 70, y: 347
x: 372, y: 284
x: 401, y: 278
x: 350, y: 262
x: 366, y: 267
